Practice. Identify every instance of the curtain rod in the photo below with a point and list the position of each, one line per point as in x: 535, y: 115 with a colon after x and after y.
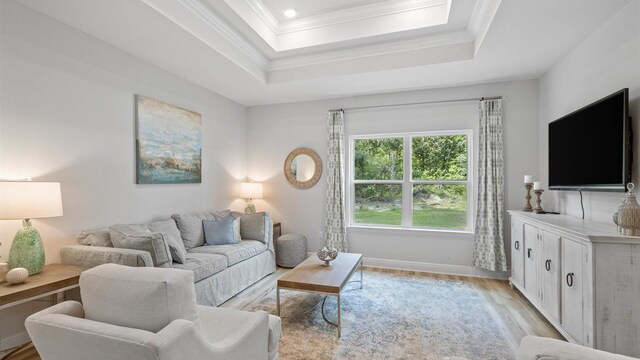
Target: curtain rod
x: 418, y: 103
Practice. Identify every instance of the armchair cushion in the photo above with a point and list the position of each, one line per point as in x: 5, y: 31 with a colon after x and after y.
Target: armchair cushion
x: 242, y: 329
x: 539, y: 348
x: 142, y: 298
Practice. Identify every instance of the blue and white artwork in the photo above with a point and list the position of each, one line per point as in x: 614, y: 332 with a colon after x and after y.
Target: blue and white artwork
x: 168, y: 143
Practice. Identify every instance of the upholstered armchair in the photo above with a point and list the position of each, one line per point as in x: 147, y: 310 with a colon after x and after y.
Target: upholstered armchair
x: 148, y: 313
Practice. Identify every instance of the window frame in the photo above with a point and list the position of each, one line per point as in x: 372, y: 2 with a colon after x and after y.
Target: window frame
x: 408, y: 182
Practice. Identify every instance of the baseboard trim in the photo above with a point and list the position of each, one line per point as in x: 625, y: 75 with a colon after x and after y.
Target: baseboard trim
x: 13, y: 341
x: 434, y: 268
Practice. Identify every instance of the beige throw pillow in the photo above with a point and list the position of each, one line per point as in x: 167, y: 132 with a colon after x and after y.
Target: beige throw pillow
x: 171, y: 234
x: 138, y: 237
x: 253, y: 227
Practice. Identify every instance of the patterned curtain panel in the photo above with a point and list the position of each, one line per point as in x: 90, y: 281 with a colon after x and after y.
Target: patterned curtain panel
x: 334, y: 229
x: 488, y: 250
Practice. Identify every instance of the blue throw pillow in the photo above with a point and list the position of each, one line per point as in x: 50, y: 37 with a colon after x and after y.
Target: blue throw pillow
x: 219, y: 232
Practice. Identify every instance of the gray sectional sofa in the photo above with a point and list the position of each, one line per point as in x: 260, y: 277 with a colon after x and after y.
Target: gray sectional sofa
x: 220, y: 271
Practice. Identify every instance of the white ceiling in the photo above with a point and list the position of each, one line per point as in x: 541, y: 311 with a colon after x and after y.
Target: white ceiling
x: 306, y: 8
x: 337, y: 48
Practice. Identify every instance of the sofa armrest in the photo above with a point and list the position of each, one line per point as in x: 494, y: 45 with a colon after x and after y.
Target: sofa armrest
x: 533, y: 348
x: 91, y: 256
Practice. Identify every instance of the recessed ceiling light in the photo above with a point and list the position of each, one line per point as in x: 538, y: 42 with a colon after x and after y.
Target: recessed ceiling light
x: 290, y: 13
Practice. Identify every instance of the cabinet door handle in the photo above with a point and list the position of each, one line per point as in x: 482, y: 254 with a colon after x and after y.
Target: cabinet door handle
x: 570, y: 279
x: 547, y: 264
x: 517, y: 245
x: 529, y: 253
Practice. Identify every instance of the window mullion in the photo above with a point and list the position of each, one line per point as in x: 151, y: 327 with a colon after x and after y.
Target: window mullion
x: 407, y: 187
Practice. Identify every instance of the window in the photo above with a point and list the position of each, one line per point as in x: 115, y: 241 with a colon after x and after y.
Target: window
x: 412, y: 180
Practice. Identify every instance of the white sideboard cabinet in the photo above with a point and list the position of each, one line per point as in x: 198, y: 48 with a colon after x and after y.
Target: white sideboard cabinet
x: 582, y: 276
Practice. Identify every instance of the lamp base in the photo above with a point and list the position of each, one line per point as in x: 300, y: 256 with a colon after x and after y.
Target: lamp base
x: 27, y: 250
x: 250, y: 209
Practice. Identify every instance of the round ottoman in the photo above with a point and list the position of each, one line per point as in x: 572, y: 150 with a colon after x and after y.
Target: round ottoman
x: 291, y: 250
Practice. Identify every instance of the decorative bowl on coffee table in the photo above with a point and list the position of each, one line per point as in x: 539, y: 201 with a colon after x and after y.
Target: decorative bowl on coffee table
x: 327, y: 255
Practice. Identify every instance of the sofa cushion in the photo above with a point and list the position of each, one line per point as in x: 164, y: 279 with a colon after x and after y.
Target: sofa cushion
x: 154, y: 243
x: 98, y: 237
x: 219, y: 232
x: 169, y: 230
x: 190, y: 226
x: 203, y: 265
x: 142, y: 298
x: 234, y: 253
x: 254, y: 227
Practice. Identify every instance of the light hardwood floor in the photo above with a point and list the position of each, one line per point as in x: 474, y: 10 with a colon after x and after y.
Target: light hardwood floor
x: 509, y: 306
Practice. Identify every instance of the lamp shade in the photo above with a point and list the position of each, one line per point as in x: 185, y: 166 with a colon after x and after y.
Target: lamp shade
x: 29, y: 200
x: 251, y: 190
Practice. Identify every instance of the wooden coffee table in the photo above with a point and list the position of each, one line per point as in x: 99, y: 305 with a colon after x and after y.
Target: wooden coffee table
x: 312, y: 276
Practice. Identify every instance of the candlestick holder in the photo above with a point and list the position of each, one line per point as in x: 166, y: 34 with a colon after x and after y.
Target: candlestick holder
x: 527, y: 206
x: 538, y: 199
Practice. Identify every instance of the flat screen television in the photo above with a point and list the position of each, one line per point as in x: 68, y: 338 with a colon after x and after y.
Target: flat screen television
x: 590, y: 149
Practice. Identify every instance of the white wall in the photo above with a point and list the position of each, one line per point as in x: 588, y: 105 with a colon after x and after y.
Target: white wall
x: 275, y: 130
x: 607, y: 61
x: 67, y: 115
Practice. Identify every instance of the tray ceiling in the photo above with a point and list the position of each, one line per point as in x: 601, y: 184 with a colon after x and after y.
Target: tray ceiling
x: 250, y: 52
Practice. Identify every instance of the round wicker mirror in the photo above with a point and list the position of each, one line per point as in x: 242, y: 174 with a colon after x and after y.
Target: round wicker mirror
x: 303, y: 168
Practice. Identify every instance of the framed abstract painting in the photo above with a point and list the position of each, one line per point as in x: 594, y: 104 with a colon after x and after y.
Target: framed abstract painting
x: 168, y: 143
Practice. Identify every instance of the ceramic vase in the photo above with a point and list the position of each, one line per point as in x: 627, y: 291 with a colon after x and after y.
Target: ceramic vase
x: 27, y: 250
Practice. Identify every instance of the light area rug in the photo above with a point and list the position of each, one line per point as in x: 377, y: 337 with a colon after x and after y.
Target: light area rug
x: 393, y: 317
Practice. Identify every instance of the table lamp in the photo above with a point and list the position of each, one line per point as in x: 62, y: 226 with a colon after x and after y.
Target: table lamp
x: 250, y: 191
x: 25, y: 200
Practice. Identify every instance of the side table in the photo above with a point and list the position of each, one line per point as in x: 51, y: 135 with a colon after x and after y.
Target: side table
x: 277, y: 230
x: 54, y: 280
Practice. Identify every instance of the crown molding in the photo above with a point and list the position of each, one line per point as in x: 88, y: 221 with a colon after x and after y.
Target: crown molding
x: 433, y: 41
x: 357, y: 13
x: 265, y: 14
x: 481, y: 18
x: 223, y: 28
